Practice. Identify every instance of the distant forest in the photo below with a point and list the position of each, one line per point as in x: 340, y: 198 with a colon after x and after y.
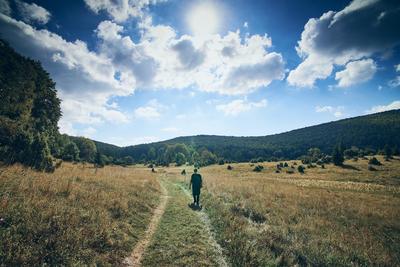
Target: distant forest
x: 30, y: 110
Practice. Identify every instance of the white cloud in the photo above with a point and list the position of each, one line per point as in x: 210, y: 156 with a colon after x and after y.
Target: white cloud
x: 5, y: 7
x: 356, y: 72
x: 238, y: 106
x: 152, y: 110
x: 397, y: 67
x: 382, y: 108
x: 245, y: 24
x: 89, y: 132
x: 86, y: 79
x: 120, y: 10
x: 335, y: 111
x: 395, y: 82
x: 359, y: 30
x: 33, y: 13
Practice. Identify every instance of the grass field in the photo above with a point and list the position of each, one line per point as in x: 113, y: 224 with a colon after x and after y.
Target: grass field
x: 332, y: 216
x: 75, y: 216
x: 337, y: 216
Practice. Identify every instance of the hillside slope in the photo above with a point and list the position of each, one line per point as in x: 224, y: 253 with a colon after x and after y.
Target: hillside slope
x: 367, y: 132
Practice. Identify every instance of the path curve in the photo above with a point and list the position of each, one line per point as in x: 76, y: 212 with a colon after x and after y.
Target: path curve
x: 135, y: 258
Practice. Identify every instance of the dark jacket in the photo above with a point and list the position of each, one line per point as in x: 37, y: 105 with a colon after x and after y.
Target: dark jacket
x: 196, y: 183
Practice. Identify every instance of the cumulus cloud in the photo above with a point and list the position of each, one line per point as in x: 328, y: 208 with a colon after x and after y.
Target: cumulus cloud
x: 356, y: 72
x: 159, y: 58
x: 335, y: 111
x: 382, y: 108
x: 152, y: 110
x: 33, y: 13
x: 396, y: 81
x: 188, y: 55
x: 5, y: 7
x: 239, y: 105
x: 120, y: 10
x: 85, y: 79
x: 362, y: 29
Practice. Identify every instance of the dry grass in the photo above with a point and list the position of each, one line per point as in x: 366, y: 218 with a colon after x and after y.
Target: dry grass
x: 75, y: 216
x: 332, y: 216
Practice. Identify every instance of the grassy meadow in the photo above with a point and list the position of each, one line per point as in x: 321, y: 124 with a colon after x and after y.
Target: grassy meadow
x: 332, y: 216
x: 75, y: 216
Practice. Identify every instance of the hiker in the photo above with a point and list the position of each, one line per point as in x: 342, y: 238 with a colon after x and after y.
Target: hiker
x: 196, y: 183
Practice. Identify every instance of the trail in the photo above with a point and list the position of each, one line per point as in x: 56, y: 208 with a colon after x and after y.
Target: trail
x: 207, y: 224
x: 135, y: 258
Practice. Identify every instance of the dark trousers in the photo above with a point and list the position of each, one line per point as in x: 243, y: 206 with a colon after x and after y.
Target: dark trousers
x: 196, y: 199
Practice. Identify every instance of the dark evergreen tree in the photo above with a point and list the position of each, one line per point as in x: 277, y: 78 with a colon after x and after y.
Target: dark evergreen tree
x: 337, y: 155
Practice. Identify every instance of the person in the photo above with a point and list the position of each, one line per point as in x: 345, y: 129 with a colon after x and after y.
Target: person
x: 196, y: 183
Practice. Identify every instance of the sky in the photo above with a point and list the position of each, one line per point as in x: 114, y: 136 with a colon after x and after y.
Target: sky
x: 139, y: 71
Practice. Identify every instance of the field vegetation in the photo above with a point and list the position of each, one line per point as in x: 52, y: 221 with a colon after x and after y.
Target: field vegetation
x: 77, y: 215
x: 334, y: 215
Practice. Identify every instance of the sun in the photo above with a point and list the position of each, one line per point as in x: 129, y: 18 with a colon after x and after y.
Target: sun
x: 203, y: 19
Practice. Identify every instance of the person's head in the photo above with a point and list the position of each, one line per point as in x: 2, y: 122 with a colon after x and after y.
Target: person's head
x: 195, y: 170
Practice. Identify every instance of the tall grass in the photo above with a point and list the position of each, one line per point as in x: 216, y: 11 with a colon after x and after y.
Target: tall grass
x: 332, y: 216
x: 75, y: 216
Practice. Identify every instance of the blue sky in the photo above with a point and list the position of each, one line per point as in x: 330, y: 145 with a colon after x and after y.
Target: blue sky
x: 130, y: 72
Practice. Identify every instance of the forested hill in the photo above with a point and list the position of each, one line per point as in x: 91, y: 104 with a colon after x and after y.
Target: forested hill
x: 370, y: 133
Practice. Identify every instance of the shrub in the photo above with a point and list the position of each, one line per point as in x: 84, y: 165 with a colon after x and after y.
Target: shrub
x: 285, y: 165
x: 258, y: 168
x: 337, y: 155
x: 221, y: 162
x: 374, y: 161
x: 229, y: 167
x: 300, y: 168
x: 290, y: 171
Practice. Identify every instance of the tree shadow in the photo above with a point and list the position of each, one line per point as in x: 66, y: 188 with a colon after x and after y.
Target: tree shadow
x: 350, y: 167
x: 195, y: 207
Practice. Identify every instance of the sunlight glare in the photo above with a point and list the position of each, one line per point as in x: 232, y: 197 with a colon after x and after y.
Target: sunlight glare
x: 203, y: 19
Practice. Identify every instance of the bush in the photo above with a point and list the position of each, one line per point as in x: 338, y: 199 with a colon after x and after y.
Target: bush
x: 300, y: 169
x: 374, y: 161
x: 221, y: 162
x: 258, y: 168
x: 290, y: 171
x: 285, y: 165
x: 229, y: 168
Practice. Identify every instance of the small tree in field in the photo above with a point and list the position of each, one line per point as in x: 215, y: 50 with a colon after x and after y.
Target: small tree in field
x: 180, y: 159
x: 337, y: 155
x: 388, y: 152
x: 99, y: 161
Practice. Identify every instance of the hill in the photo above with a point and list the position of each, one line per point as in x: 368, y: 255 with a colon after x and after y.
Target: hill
x: 370, y: 133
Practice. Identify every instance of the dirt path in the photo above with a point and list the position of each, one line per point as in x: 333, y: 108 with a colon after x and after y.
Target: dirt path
x: 136, y: 256
x: 220, y: 259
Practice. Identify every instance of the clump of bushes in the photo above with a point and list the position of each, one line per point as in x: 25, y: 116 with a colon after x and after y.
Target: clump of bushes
x: 258, y: 168
x: 374, y: 161
x: 300, y: 169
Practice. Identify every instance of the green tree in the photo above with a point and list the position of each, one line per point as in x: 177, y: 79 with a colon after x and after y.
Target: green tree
x: 388, y: 152
x: 180, y: 159
x: 70, y: 152
x: 99, y: 160
x: 87, y: 149
x: 337, y: 155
